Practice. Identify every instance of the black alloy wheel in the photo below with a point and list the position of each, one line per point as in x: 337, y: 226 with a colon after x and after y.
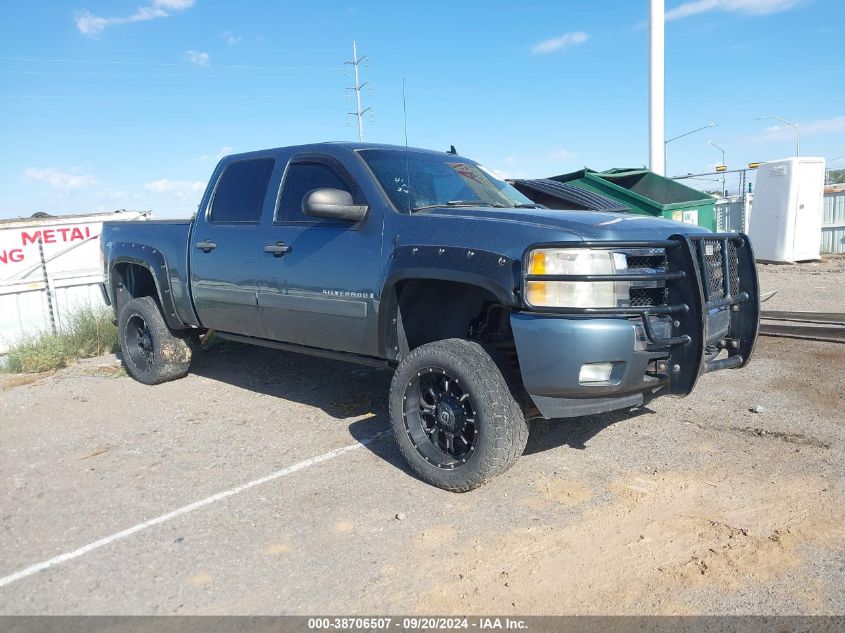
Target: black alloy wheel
x: 440, y: 418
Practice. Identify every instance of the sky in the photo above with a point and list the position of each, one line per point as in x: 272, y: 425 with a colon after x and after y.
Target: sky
x: 111, y: 104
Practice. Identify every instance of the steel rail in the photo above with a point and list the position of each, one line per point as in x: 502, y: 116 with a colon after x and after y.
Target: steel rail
x: 824, y: 333
x: 832, y: 318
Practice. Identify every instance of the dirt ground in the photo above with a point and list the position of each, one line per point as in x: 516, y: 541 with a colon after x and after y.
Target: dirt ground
x: 812, y: 287
x: 686, y: 506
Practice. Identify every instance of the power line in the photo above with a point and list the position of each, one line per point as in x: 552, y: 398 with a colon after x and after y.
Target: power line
x: 359, y: 113
x: 147, y: 97
x: 137, y: 63
x: 76, y: 73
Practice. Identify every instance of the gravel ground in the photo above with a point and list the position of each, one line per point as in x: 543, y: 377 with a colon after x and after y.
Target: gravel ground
x: 813, y: 286
x: 696, y: 505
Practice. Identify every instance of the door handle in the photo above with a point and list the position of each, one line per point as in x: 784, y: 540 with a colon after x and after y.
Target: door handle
x: 206, y: 246
x: 278, y: 249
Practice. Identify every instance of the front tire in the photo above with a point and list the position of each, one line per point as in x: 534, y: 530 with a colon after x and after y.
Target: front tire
x: 152, y: 354
x: 454, y: 415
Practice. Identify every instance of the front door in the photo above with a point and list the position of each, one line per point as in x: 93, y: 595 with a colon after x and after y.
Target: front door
x: 319, y: 277
x: 225, y: 251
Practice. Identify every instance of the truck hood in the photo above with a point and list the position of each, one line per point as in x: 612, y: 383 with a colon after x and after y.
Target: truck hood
x: 588, y: 225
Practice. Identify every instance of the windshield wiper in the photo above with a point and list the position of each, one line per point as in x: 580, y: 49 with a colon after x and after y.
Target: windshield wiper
x: 530, y: 206
x: 458, y: 203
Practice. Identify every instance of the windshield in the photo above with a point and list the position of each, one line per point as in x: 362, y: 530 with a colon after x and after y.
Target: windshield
x: 416, y: 180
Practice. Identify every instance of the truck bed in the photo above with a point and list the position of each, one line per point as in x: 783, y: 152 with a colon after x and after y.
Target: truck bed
x: 166, y: 241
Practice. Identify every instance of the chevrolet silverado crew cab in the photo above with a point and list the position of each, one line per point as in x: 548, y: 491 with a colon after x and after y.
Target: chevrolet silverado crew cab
x: 489, y: 309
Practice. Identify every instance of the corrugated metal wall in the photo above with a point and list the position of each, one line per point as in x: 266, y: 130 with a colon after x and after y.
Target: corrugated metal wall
x: 70, y: 270
x: 732, y: 213
x: 833, y: 224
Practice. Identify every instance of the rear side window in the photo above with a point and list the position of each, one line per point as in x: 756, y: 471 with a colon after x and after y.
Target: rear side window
x: 301, y: 179
x: 241, y: 190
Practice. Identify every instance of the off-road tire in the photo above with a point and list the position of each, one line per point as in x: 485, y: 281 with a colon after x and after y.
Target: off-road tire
x: 502, y: 430
x: 168, y: 356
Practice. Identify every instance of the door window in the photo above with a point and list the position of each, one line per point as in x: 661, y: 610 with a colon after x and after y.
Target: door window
x: 241, y: 190
x: 301, y: 179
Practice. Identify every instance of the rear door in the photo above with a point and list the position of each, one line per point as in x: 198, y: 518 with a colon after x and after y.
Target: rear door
x: 322, y: 292
x: 224, y: 247
x: 809, y: 181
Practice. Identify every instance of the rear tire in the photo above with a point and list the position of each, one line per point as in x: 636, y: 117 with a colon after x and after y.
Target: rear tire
x: 454, y: 416
x: 151, y: 353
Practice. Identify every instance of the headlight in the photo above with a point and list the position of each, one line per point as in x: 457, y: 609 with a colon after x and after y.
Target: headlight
x: 575, y: 294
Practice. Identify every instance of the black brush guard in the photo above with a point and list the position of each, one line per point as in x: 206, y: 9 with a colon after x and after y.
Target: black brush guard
x: 706, y: 275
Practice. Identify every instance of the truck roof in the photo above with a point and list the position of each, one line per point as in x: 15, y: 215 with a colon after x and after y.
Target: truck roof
x: 354, y: 146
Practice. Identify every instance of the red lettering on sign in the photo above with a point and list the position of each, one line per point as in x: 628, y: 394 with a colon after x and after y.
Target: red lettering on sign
x: 62, y: 234
x: 15, y: 256
x: 31, y: 238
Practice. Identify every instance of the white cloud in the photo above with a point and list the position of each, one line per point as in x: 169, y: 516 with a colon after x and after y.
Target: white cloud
x: 58, y: 179
x: 223, y: 151
x: 750, y: 7
x: 198, y: 57
x: 110, y: 194
x: 231, y: 39
x: 559, y: 43
x: 561, y: 154
x: 177, y: 188
x: 93, y: 25
x: 834, y: 125
x: 174, y: 5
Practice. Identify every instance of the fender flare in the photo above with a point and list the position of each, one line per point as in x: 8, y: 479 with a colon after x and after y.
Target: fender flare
x: 152, y: 260
x: 497, y: 274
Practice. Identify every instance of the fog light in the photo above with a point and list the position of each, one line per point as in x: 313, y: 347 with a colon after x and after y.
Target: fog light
x: 595, y: 372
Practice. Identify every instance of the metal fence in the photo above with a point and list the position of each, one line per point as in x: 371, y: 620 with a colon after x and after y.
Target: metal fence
x: 833, y: 223
x: 733, y: 212
x: 733, y: 192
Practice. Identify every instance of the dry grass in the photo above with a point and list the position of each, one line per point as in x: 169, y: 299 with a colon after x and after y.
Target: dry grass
x: 87, y: 333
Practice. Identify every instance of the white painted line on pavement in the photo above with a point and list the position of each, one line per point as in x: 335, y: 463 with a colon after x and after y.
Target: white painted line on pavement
x: 196, y: 505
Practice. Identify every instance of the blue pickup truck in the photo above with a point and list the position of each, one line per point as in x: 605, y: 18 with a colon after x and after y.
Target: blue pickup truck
x: 489, y: 309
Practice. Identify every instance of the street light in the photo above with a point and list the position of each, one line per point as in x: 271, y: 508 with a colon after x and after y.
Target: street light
x: 723, y: 165
x: 675, y: 138
x: 794, y: 125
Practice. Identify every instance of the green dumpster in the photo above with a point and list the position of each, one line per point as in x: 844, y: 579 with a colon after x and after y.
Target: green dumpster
x: 647, y: 193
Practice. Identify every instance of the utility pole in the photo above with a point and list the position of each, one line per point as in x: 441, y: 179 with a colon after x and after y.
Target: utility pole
x: 359, y: 113
x: 656, y: 80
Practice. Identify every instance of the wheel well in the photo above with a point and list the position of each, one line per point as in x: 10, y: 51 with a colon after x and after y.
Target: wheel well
x: 432, y: 310
x: 131, y: 281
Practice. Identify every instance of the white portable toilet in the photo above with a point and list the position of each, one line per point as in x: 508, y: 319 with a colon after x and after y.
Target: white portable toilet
x: 786, y: 220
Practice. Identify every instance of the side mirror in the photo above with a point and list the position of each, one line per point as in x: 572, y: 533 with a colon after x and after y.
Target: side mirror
x: 333, y: 204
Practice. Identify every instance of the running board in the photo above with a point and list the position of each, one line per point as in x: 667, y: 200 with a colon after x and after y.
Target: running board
x: 347, y: 357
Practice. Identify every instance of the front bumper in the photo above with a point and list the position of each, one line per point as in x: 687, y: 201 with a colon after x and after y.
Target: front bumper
x: 710, y: 322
